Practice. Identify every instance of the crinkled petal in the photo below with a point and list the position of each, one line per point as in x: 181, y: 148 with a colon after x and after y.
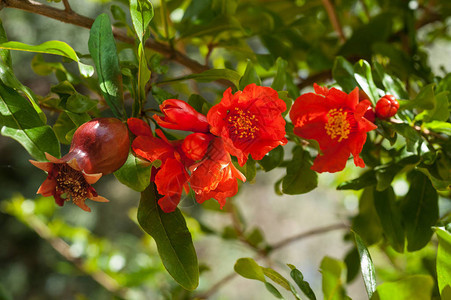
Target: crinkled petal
x: 138, y: 127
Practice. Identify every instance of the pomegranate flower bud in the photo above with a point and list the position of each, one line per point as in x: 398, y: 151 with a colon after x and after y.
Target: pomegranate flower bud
x: 386, y: 107
x: 180, y: 115
x: 98, y: 147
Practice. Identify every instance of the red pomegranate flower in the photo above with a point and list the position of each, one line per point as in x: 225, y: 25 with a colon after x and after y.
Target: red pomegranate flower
x: 181, y: 116
x: 171, y: 178
x: 215, y: 176
x: 249, y: 121
x: 98, y: 147
x: 334, y: 119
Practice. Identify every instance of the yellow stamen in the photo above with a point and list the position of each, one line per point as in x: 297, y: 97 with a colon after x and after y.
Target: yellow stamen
x: 72, y: 183
x: 337, y: 125
x: 243, y: 124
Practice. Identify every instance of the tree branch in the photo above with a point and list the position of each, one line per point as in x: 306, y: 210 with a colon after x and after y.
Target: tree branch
x: 334, y: 19
x: 63, y: 248
x: 307, y: 234
x: 73, y: 18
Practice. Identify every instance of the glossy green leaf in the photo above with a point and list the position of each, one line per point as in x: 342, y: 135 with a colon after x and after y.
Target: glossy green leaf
x: 199, y: 103
x: 366, y: 179
x: 62, y: 127
x: 343, y: 73
x: 280, y: 280
x: 444, y: 261
x: 366, y: 266
x: 352, y: 261
x: 248, y: 268
x: 416, y: 287
x: 303, y: 285
x: 249, y: 76
x: 272, y: 289
x: 364, y: 77
x: 390, y: 217
x: 79, y: 103
x: 367, y: 223
x: 173, y: 239
x: 300, y: 178
x: 424, y: 100
x: 411, y: 135
x: 102, y: 47
x: 8, y: 77
x: 51, y: 47
x: 419, y: 211
x: 251, y: 169
x: 438, y: 126
x: 280, y: 77
x: 211, y: 75
x: 392, y: 85
x: 272, y: 159
x: 440, y: 111
x: 332, y: 270
x: 21, y: 122
x: 143, y: 77
x: 135, y: 173
x: 142, y: 13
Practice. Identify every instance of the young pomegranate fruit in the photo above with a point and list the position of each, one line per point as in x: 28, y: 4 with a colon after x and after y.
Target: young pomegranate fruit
x: 386, y: 107
x: 98, y: 147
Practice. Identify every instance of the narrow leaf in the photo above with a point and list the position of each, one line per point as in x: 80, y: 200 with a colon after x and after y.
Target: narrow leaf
x: 444, y: 261
x: 303, y: 285
x: 390, y: 217
x: 280, y: 77
x: 272, y: 289
x: 103, y: 51
x: 343, y: 73
x: 419, y: 211
x: 21, y: 122
x: 211, y: 75
x: 332, y: 284
x: 366, y: 266
x: 280, y: 280
x: 172, y: 237
x: 363, y: 76
x: 300, y: 178
x: 142, y: 13
x: 249, y: 76
x: 51, y: 47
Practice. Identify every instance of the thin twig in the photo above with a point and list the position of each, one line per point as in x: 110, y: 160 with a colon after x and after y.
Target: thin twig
x: 85, y: 22
x: 67, y: 6
x: 307, y: 234
x: 334, y: 19
x: 63, y: 248
x: 215, y: 287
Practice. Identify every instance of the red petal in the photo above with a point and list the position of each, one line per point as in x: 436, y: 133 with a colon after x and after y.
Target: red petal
x: 321, y: 90
x: 332, y: 160
x: 47, y: 188
x: 169, y: 203
x: 195, y: 145
x: 138, y: 127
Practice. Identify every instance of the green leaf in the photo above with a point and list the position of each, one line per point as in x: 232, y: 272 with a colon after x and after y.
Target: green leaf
x: 211, y: 75
x: 419, y: 211
x: 280, y: 77
x: 411, y: 135
x: 390, y: 217
x: 280, y: 280
x: 143, y: 77
x: 62, y: 127
x: 300, y: 178
x: 251, y: 169
x: 272, y: 159
x: 366, y: 179
x: 248, y: 268
x: 303, y: 285
x: 366, y: 266
x: 424, y: 100
x: 363, y: 76
x: 249, y: 76
x: 51, y: 47
x: 135, y: 173
x: 438, y: 126
x: 343, y: 73
x: 367, y: 223
x: 416, y: 287
x: 332, y: 284
x: 21, y: 122
x: 272, y: 289
x: 392, y: 85
x: 443, y: 261
x: 199, y: 103
x: 440, y: 111
x: 103, y: 51
x: 142, y: 13
x: 79, y: 103
x: 172, y: 237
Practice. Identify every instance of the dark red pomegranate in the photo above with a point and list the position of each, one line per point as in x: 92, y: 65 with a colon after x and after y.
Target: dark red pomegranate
x: 98, y: 147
